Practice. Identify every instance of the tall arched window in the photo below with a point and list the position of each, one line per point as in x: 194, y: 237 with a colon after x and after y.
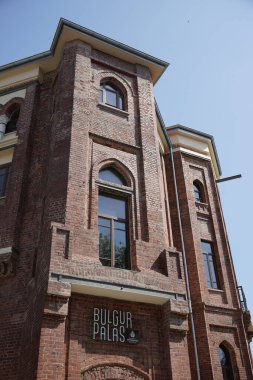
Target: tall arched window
x: 110, y: 94
x: 225, y: 361
x: 12, y: 123
x: 113, y: 221
x: 198, y: 191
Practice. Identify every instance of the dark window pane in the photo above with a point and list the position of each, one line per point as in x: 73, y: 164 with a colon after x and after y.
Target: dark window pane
x: 208, y: 278
x: 105, y: 245
x: 111, y: 98
x: 222, y: 356
x: 197, y: 192
x: 111, y: 175
x: 12, y: 123
x: 3, y: 180
x: 225, y: 361
x: 115, y: 207
x: 110, y: 87
x: 101, y: 95
x: 209, y: 261
x: 120, y: 248
x: 213, y: 273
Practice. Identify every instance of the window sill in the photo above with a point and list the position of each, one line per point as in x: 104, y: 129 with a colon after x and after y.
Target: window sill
x: 9, y: 140
x: 3, y: 197
x: 212, y: 290
x: 201, y: 206
x: 114, y: 110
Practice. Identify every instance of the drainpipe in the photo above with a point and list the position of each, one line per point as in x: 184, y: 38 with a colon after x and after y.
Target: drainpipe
x: 185, y: 266
x: 3, y: 122
x: 183, y: 246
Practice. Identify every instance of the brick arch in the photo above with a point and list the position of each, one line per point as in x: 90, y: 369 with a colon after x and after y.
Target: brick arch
x: 12, y: 104
x: 116, y: 164
x: 125, y: 86
x: 116, y: 78
x: 113, y: 372
x: 231, y: 350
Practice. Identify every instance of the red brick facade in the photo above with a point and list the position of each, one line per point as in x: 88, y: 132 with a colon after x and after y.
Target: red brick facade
x: 51, y: 277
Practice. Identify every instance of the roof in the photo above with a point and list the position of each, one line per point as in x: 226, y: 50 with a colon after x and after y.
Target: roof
x: 200, y: 136
x: 68, y: 31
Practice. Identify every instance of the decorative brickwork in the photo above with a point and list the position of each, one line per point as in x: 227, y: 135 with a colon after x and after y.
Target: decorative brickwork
x: 64, y: 315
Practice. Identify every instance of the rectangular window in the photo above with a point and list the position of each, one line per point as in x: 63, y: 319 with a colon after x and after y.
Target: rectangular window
x: 210, y: 267
x: 4, y: 171
x: 112, y: 227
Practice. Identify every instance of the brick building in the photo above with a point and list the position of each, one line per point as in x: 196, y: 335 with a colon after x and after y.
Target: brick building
x: 114, y: 256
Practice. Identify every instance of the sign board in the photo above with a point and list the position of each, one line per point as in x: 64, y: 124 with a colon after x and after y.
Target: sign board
x: 113, y: 326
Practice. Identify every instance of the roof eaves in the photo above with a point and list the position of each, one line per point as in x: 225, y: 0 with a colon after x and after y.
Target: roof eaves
x: 63, y: 22
x: 201, y: 134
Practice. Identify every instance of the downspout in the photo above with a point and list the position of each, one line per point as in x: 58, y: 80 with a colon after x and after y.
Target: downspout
x: 183, y: 245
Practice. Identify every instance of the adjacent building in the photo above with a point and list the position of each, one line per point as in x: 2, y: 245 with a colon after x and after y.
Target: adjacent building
x: 114, y: 256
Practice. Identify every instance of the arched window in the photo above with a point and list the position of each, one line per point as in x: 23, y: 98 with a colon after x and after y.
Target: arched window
x: 198, y: 191
x: 111, y: 95
x: 113, y: 222
x: 112, y: 175
x: 12, y: 123
x: 225, y: 361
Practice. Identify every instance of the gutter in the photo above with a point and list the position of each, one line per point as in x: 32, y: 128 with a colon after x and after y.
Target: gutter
x: 188, y: 292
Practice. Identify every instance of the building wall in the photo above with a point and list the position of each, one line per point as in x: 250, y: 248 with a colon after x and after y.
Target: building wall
x: 49, y: 219
x: 217, y: 313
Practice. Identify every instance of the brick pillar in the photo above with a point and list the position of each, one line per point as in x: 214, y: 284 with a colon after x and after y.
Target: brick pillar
x: 53, y: 342
x: 175, y: 329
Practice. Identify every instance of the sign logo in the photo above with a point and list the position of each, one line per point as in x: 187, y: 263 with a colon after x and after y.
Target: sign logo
x: 132, y: 338
x: 113, y: 326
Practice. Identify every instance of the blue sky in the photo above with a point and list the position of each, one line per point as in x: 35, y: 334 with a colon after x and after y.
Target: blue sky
x: 208, y: 86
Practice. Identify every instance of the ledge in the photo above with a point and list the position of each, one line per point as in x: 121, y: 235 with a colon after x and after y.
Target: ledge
x: 212, y: 290
x: 9, y: 140
x: 114, y: 110
x: 8, y: 257
x: 117, y: 291
x: 202, y: 207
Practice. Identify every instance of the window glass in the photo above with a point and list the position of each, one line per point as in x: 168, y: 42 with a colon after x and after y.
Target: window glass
x: 212, y: 272
x: 105, y: 241
x: 206, y: 247
x: 12, y: 123
x: 110, y: 87
x: 112, y: 95
x: 111, y: 175
x: 209, y: 263
x: 111, y: 98
x: 113, y: 206
x: 3, y: 179
x: 120, y: 102
x: 101, y: 94
x: 112, y: 231
x: 198, y: 192
x: 208, y: 278
x: 120, y: 248
x: 225, y: 362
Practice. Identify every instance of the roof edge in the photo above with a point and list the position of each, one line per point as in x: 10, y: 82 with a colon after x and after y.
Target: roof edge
x: 201, y: 134
x: 69, y: 24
